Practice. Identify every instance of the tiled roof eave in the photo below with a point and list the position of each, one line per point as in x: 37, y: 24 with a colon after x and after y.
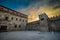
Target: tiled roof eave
x: 4, y: 9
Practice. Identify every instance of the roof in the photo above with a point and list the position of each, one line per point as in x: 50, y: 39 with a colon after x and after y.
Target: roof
x: 35, y: 22
x: 8, y: 10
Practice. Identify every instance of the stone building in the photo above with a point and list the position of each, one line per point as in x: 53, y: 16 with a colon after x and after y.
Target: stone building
x: 41, y: 24
x: 54, y: 23
x: 45, y: 24
x: 43, y: 19
x: 11, y: 19
x: 33, y: 25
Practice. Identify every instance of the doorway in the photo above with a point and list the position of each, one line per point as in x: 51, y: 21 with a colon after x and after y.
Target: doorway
x: 3, y: 28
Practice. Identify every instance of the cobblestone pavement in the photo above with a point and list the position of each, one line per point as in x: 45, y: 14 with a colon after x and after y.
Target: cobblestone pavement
x: 29, y: 35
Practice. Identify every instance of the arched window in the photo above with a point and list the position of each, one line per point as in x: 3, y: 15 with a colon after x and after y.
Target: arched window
x: 12, y: 18
x: 19, y: 26
x: 42, y: 19
x: 6, y: 18
x: 20, y: 19
x: 16, y: 19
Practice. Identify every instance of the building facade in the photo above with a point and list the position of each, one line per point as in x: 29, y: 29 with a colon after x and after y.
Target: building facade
x: 54, y: 23
x: 45, y: 24
x: 43, y: 19
x: 11, y: 19
x: 33, y: 25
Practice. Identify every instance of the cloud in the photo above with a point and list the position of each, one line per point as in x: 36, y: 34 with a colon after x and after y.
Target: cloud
x: 54, y: 3
x: 33, y: 8
x: 36, y: 8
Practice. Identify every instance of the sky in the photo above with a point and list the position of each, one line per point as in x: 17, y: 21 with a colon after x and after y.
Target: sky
x: 33, y: 8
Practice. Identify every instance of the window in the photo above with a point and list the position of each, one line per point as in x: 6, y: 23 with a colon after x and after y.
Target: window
x: 20, y: 19
x: 23, y: 20
x: 26, y: 20
x: 6, y: 18
x: 12, y: 18
x: 16, y: 19
x: 15, y: 26
x: 42, y: 18
x: 19, y: 26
